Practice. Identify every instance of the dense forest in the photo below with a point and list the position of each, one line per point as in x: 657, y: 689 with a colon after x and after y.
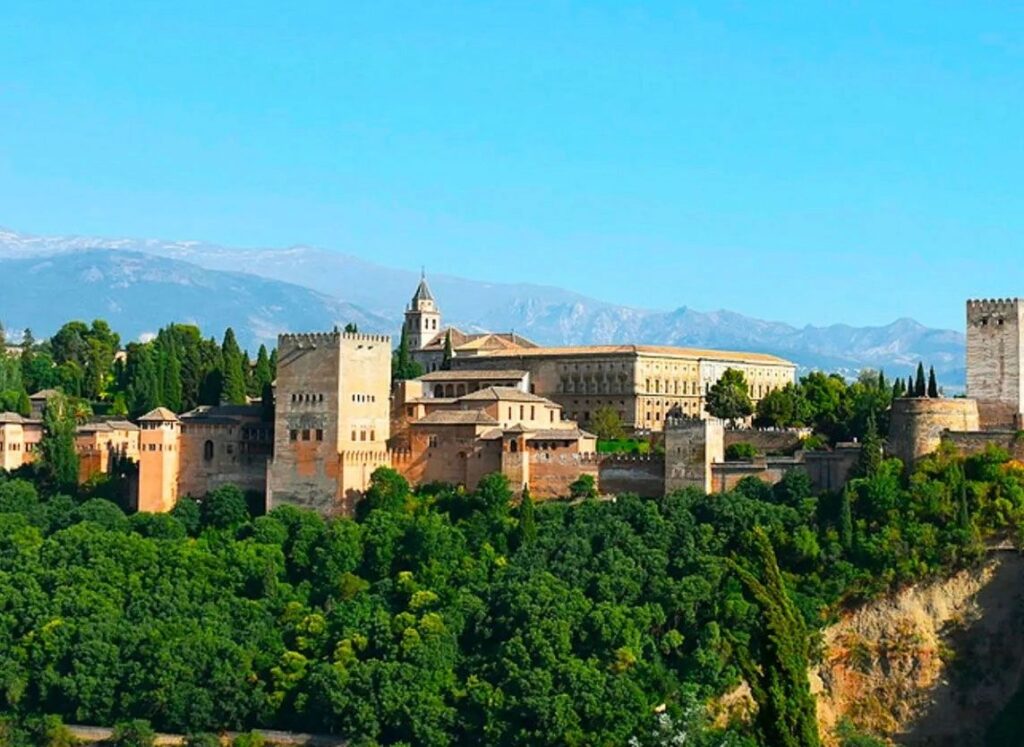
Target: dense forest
x: 441, y: 616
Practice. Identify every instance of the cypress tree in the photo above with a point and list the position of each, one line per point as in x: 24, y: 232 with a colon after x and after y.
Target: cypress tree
x: 233, y: 368
x: 846, y: 520
x: 449, y: 352
x: 402, y: 365
x: 172, y: 395
x: 933, y: 385
x: 262, y: 375
x: 898, y: 388
x: 776, y: 660
x: 882, y: 385
x: 963, y: 511
x: 920, y: 386
x: 142, y: 390
x: 24, y: 404
x: 527, y: 518
x: 871, y: 449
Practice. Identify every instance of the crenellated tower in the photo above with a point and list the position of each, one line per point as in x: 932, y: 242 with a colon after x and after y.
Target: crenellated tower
x: 422, y: 318
x: 331, y: 419
x: 995, y: 350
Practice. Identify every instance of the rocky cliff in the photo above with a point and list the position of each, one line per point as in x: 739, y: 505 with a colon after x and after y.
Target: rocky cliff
x: 935, y: 664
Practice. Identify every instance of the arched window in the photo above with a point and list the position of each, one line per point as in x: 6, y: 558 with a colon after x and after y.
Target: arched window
x: 439, y: 391
x: 208, y: 450
x: 513, y: 446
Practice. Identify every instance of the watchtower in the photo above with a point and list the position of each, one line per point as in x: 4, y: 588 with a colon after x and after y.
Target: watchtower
x: 159, y: 439
x: 995, y: 346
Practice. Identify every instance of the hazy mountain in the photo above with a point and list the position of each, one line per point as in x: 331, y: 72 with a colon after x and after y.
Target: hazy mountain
x: 139, y: 293
x: 269, y: 298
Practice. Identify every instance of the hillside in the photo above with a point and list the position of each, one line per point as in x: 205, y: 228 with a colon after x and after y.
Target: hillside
x: 376, y: 295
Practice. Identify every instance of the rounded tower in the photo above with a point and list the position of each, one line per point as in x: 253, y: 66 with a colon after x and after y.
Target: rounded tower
x: 422, y: 318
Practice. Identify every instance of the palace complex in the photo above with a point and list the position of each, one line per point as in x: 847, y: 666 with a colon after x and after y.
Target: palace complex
x: 488, y: 402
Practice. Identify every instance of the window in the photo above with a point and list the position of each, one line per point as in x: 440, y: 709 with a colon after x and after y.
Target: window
x: 431, y: 441
x: 305, y: 434
x: 208, y: 450
x: 293, y: 435
x: 362, y: 435
x: 319, y: 434
x: 373, y: 435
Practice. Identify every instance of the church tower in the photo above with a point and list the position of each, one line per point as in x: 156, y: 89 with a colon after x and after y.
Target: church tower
x: 422, y: 318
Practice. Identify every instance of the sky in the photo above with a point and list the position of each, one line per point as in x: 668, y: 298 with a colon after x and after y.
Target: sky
x: 811, y: 162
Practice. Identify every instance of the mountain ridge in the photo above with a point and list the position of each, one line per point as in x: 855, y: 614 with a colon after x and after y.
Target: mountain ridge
x: 375, y: 296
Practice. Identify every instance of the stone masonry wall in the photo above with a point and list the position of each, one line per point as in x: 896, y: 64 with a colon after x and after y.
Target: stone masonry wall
x: 994, y: 350
x: 917, y: 425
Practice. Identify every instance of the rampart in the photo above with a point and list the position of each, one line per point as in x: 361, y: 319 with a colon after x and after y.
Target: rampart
x: 917, y: 424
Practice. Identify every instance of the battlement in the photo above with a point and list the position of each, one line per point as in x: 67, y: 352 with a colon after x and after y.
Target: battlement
x: 360, y: 456
x: 302, y: 339
x: 977, y: 307
x: 359, y: 337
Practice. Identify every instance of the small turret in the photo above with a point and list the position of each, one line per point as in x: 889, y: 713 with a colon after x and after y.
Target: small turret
x: 422, y: 318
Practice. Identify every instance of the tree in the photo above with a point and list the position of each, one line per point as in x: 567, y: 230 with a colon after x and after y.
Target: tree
x: 58, y: 457
x: 449, y: 352
x: 780, y: 408
x: 729, y: 397
x: 224, y: 508
x: 911, y: 389
x: 776, y: 660
x: 403, y: 367
x: 933, y: 384
x: 584, y: 486
x: 137, y: 733
x: 846, y: 519
x: 606, y: 423
x: 262, y: 376
x: 234, y: 365
x: 172, y: 390
x: 920, y: 387
x: 351, y: 328
x: 527, y: 518
x: 871, y: 450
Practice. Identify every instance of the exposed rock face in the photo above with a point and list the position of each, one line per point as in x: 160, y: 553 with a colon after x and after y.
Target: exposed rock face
x: 931, y: 665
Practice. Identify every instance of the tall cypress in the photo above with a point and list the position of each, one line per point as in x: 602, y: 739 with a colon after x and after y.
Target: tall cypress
x: 57, y: 448
x: 449, y: 352
x: 527, y: 518
x: 172, y: 394
x: 776, y: 660
x: 233, y: 367
x: 261, y: 374
x: 846, y: 520
x: 882, y: 385
x: 910, y: 386
x: 920, y: 386
x: 933, y: 384
x: 870, y: 450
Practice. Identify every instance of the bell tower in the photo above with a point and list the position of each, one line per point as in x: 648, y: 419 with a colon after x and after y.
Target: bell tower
x: 422, y: 318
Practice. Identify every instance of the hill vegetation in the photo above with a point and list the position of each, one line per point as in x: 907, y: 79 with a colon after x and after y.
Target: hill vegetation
x: 441, y: 616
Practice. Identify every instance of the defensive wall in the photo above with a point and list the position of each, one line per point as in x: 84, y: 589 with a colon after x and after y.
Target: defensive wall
x: 916, y: 425
x: 769, y: 442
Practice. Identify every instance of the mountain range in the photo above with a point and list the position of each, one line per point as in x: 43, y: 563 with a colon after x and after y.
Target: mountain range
x: 140, y: 285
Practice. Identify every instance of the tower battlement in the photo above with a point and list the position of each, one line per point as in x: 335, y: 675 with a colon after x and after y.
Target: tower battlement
x: 995, y: 359
x: 307, y: 338
x: 979, y: 308
x: 359, y: 337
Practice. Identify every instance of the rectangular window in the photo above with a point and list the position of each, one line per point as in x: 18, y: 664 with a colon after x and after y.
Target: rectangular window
x: 362, y: 435
x: 431, y: 441
x: 305, y: 434
x: 319, y: 434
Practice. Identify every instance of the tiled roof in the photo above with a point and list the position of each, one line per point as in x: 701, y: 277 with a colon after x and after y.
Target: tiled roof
x: 223, y: 414
x: 480, y: 341
x: 161, y: 414
x: 11, y: 417
x: 503, y: 394
x: 456, y: 417
x: 472, y: 375
x: 653, y: 350
x: 106, y: 425
x: 559, y: 434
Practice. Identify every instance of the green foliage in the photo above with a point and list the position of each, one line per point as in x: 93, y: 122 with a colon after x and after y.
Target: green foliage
x: 624, y: 446
x: 134, y: 733
x: 57, y: 455
x: 920, y: 387
x: 403, y: 367
x: 234, y: 366
x: 441, y: 617
x: 933, y: 385
x: 740, y: 451
x: 202, y: 739
x: 252, y: 738
x: 449, y: 351
x: 584, y: 486
x: 776, y: 660
x: 729, y: 397
x: 606, y: 424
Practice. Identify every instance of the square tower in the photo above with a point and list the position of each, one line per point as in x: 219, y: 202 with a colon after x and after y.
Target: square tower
x: 994, y: 349
x: 331, y: 419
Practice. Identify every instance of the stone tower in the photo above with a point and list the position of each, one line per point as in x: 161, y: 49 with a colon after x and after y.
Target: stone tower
x: 422, y: 318
x: 331, y: 419
x: 995, y: 346
x: 159, y: 439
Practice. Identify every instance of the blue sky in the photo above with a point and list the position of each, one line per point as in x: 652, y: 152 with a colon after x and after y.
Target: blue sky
x: 808, y: 162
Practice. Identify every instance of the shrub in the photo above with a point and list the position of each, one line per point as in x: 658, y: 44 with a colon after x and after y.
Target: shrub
x: 136, y: 733
x: 740, y: 452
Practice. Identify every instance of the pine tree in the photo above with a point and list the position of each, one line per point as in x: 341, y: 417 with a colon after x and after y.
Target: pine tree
x: 846, y: 520
x: 933, y: 384
x: 449, y: 352
x: 233, y: 370
x: 920, y: 386
x: 58, y: 457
